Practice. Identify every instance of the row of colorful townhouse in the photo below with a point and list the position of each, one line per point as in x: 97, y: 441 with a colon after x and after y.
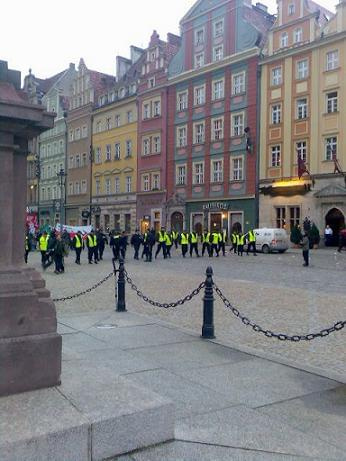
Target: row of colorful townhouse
x: 205, y: 130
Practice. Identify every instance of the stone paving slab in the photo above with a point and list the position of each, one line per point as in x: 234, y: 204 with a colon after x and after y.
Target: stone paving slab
x: 243, y: 427
x: 187, y: 451
x: 258, y: 382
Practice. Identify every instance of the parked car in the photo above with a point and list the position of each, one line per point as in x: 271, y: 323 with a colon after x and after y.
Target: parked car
x: 270, y: 240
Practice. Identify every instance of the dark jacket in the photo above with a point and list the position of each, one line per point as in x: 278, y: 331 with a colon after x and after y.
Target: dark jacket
x: 136, y: 240
x: 59, y: 248
x: 123, y: 241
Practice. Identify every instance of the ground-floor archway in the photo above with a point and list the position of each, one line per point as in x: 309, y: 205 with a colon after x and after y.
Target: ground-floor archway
x: 336, y: 220
x: 177, y: 221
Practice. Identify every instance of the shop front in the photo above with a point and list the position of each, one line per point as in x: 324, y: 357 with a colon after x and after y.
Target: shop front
x: 151, y: 211
x: 220, y: 215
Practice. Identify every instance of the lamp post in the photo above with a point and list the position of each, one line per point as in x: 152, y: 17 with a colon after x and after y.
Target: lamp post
x: 61, y: 175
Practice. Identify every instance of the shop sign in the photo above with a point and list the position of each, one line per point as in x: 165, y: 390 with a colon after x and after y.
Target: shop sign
x: 215, y: 206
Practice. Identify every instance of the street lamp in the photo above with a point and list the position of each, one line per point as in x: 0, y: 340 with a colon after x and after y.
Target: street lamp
x: 61, y: 175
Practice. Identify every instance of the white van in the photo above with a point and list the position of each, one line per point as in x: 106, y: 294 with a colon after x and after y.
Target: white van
x: 269, y: 240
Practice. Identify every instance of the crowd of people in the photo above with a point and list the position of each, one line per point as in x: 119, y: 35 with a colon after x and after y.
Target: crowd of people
x: 54, y: 246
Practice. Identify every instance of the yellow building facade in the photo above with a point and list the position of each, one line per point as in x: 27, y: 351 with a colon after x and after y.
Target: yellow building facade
x: 114, y: 166
x: 303, y: 91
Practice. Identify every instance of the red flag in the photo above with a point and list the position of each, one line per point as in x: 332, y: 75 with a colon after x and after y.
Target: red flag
x: 301, y: 166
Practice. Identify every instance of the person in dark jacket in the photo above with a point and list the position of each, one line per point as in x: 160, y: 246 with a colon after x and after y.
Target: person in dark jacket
x: 151, y: 244
x: 123, y: 244
x: 59, y: 252
x: 101, y: 243
x: 114, y: 243
x: 136, y: 241
x: 27, y: 248
x: 305, y: 248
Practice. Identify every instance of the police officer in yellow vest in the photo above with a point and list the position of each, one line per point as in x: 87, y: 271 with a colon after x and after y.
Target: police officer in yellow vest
x: 234, y: 242
x: 240, y: 243
x: 215, y: 240
x: 206, y: 242
x: 92, y: 247
x: 175, y: 236
x: 78, y: 245
x: 161, y: 238
x: 223, y: 241
x: 193, y: 239
x: 169, y: 243
x: 251, y: 242
x: 43, y: 243
x: 184, y: 242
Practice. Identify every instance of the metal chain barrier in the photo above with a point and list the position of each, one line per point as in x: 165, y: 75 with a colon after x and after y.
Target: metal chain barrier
x: 180, y: 302
x: 280, y: 336
x: 65, y: 298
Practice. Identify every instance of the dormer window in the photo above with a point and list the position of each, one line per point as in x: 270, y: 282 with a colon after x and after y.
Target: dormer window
x: 152, y: 56
x: 291, y: 9
x: 284, y: 40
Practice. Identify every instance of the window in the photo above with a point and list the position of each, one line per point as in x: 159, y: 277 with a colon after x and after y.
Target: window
x: 302, y: 108
x: 84, y: 131
x: 77, y: 161
x: 284, y: 40
x: 117, y: 151
x: 151, y: 82
x: 108, y: 123
x: 332, y: 102
x: 84, y: 159
x: 218, y: 53
x: 198, y: 173
x: 70, y: 163
x: 217, y: 129
x: 145, y: 183
x: 61, y: 146
x: 117, y: 184
x: 294, y: 216
x: 276, y: 114
x: 128, y: 184
x: 77, y: 187
x: 331, y: 148
x: 237, y: 169
x: 129, y: 116
x: 71, y: 136
x: 157, y: 108
x: 127, y: 217
x: 49, y: 195
x: 83, y: 186
x: 108, y: 186
x: 218, y: 89
x: 117, y: 222
x: 70, y: 188
x: 199, y: 92
x: 156, y: 181
x: 291, y: 9
x: 98, y: 186
x: 43, y: 174
x: 298, y: 35
x: 128, y: 148
x: 302, y: 69
x: 198, y: 133
x: 218, y: 28
x: 54, y: 193
x: 117, y: 121
x: 49, y: 174
x: 98, y: 158
x: 157, y: 144
x: 276, y: 76
x: 280, y: 217
x: 182, y: 101
x: 301, y: 150
x: 237, y: 125
x: 146, y: 146
x: 181, y: 136
x: 146, y: 111
x: 199, y: 60
x: 332, y: 60
x: 276, y: 156
x: 98, y: 127
x: 199, y: 37
x: 181, y: 175
x: 217, y: 171
x: 238, y: 83
x: 108, y: 153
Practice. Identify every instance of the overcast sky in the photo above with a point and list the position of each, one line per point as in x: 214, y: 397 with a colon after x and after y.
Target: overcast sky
x: 46, y: 36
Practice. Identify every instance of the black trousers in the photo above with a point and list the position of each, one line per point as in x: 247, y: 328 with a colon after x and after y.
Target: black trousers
x: 59, y: 263
x: 26, y: 256
x: 43, y: 256
x: 214, y: 247
x: 164, y: 250
x: 205, y: 246
x: 306, y: 257
x: 234, y: 247
x: 78, y: 253
x: 251, y: 245
x: 115, y: 250
x: 123, y: 252
x: 136, y: 252
x: 168, y: 250
x: 176, y: 244
x: 240, y: 250
x: 194, y: 246
x: 100, y: 252
x: 222, y: 247
x: 184, y: 248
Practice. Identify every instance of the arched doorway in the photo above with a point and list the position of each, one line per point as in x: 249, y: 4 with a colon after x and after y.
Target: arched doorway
x: 236, y: 228
x: 336, y: 220
x: 177, y: 220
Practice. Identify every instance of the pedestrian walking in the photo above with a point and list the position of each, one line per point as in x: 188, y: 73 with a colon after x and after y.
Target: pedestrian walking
x: 114, y: 243
x: 175, y: 237
x: 206, y: 242
x: 43, y: 245
x: 27, y: 247
x: 215, y: 240
x: 101, y: 239
x: 92, y: 247
x: 305, y: 248
x: 342, y: 239
x: 184, y: 242
x: 223, y: 241
x: 136, y: 241
x: 193, y: 239
x: 240, y: 243
x: 59, y: 253
x: 151, y: 244
x: 234, y: 240
x: 169, y: 243
x: 161, y: 239
x: 78, y: 245
x: 251, y: 242
x: 123, y: 242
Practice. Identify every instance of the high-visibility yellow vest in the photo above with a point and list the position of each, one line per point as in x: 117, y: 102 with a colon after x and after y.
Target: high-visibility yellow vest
x: 78, y: 241
x: 168, y: 240
x: 234, y: 238
x: 194, y: 238
x: 162, y: 237
x: 175, y: 235
x: 184, y: 239
x: 252, y: 236
x: 145, y: 237
x: 206, y: 237
x: 92, y: 241
x: 26, y: 243
x: 215, y: 238
x: 240, y: 239
x: 44, y: 243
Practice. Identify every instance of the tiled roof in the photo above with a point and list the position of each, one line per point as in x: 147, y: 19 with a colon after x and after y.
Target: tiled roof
x: 8, y: 93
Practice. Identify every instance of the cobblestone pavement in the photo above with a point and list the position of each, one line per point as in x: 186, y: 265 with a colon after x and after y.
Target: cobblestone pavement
x: 273, y: 290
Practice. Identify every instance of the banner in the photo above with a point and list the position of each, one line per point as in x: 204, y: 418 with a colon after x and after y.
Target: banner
x: 74, y: 229
x: 31, y: 222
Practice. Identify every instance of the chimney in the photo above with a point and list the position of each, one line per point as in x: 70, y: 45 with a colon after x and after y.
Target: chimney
x: 262, y: 7
x: 173, y: 39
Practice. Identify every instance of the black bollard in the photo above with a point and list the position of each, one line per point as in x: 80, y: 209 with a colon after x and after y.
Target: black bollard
x: 121, y: 305
x: 208, y: 307
x: 115, y: 282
